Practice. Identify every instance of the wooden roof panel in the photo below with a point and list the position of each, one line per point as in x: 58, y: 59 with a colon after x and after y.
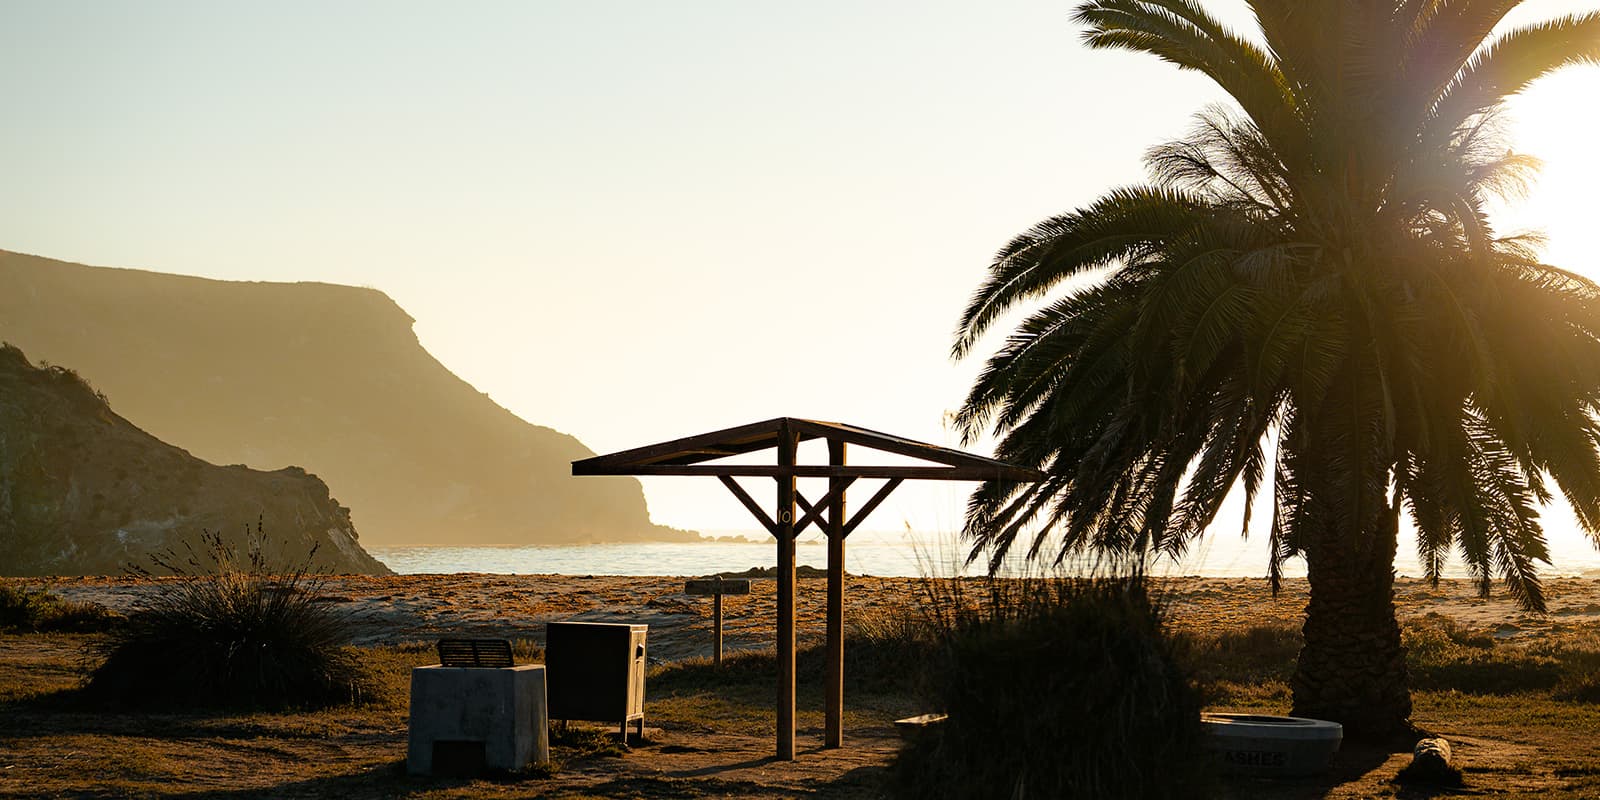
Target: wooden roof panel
x: 685, y: 456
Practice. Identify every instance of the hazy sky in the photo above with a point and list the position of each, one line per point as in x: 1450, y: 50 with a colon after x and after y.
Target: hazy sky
x: 626, y: 221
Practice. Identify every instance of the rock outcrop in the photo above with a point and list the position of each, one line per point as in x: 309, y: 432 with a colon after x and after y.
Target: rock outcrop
x: 85, y: 492
x: 328, y: 377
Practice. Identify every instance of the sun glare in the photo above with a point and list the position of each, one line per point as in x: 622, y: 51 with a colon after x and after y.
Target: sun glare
x: 1558, y: 120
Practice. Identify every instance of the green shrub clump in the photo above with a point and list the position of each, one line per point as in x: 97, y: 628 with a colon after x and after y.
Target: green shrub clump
x: 1055, y: 688
x: 239, y: 637
x: 38, y: 611
x: 1442, y: 655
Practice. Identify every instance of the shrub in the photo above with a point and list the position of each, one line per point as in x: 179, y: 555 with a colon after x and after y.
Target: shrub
x: 1255, y: 653
x: 1249, y: 666
x: 38, y: 611
x: 1578, y: 687
x: 1441, y: 655
x: 1055, y: 688
x: 242, y: 638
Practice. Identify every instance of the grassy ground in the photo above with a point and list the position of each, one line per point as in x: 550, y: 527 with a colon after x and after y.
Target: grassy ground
x: 1522, y: 716
x: 54, y: 742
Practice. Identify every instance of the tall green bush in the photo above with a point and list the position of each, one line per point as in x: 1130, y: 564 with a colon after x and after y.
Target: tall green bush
x: 1055, y: 688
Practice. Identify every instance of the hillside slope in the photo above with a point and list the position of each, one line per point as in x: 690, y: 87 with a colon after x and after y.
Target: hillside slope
x: 328, y: 377
x: 84, y: 492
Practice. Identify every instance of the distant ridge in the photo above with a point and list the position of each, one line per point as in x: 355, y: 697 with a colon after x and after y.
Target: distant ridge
x: 84, y: 492
x: 328, y: 377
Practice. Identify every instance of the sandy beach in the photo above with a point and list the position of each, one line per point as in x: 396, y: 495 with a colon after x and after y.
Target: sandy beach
x: 410, y: 608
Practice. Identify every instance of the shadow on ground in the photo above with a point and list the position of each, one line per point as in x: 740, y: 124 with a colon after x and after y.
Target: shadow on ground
x: 1349, y: 765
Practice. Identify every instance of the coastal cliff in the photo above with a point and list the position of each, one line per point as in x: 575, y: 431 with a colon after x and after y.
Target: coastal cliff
x: 328, y: 377
x: 85, y: 492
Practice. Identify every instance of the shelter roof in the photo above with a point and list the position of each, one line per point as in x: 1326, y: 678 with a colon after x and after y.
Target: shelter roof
x: 687, y: 456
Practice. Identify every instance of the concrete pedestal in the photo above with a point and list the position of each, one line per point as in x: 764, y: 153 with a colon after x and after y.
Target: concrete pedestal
x: 464, y: 718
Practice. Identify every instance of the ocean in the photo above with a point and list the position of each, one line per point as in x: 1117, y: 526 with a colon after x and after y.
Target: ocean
x: 904, y: 554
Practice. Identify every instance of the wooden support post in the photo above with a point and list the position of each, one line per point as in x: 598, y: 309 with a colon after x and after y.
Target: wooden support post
x: 834, y: 728
x: 716, y: 630
x: 786, y: 580
x: 716, y: 587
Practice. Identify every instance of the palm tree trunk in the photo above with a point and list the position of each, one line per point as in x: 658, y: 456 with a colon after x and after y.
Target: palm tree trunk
x: 1352, y: 667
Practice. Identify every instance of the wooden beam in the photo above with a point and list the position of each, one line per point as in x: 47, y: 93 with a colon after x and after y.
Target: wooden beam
x: 714, y: 452
x: 836, y: 489
x: 833, y: 726
x: 818, y: 471
x: 883, y: 494
x: 741, y: 439
x: 750, y: 503
x: 786, y: 585
x: 889, y: 443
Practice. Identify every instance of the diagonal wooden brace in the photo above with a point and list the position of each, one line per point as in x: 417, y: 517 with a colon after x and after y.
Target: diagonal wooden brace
x: 814, y: 513
x: 883, y: 494
x: 750, y: 503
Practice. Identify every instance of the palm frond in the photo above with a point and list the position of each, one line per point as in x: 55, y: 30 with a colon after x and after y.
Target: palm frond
x: 1508, y: 65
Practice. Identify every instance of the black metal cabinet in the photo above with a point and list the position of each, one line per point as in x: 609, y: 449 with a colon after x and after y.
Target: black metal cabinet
x: 596, y: 672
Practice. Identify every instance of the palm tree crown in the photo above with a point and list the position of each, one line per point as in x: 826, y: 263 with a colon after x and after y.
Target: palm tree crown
x: 1308, y: 294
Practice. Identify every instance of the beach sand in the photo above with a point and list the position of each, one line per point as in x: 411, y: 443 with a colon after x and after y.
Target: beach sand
x: 409, y: 608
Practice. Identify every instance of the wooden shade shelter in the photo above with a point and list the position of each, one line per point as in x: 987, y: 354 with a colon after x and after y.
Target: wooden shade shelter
x: 687, y: 456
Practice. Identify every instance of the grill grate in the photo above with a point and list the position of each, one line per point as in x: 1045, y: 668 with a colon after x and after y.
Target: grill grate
x: 475, y: 653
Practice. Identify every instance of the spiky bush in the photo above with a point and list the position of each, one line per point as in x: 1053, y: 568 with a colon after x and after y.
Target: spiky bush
x: 1055, y: 688
x: 238, y: 635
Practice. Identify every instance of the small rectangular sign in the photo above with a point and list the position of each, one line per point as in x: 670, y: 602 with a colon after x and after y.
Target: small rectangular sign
x: 717, y: 586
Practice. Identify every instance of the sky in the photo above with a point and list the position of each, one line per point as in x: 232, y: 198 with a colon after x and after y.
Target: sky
x: 629, y: 221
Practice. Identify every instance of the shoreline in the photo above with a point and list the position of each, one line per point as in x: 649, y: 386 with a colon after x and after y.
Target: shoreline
x: 878, y: 553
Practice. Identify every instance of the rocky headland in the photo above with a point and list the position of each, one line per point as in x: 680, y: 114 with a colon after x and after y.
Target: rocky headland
x: 330, y: 378
x: 85, y: 492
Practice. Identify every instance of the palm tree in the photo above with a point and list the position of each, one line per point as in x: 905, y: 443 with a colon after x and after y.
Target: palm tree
x: 1306, y: 295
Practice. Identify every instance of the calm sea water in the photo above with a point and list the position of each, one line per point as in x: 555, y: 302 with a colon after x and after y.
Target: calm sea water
x: 873, y: 553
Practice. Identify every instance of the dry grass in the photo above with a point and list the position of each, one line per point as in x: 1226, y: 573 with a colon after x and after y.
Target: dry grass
x: 1519, y: 711
x: 53, y: 740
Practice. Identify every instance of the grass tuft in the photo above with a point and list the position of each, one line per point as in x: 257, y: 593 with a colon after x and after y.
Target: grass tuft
x: 243, y: 637
x: 1054, y: 687
x: 571, y: 742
